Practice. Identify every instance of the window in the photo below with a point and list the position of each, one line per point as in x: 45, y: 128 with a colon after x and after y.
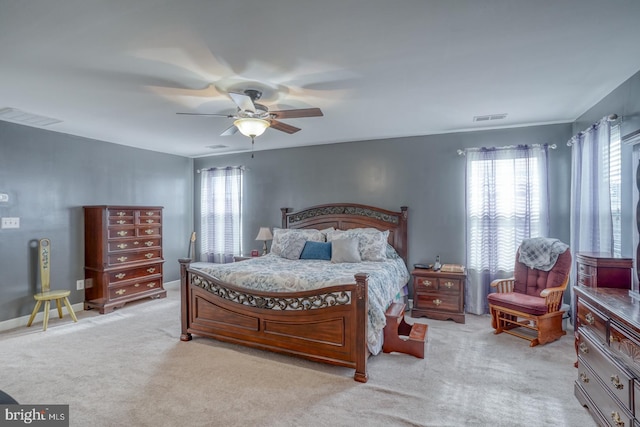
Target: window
x: 221, y: 213
x: 615, y: 183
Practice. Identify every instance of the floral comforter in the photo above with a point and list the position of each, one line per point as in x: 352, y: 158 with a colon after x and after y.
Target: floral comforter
x: 275, y: 274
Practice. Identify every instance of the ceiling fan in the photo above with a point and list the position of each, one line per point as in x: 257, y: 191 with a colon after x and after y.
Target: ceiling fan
x: 252, y: 119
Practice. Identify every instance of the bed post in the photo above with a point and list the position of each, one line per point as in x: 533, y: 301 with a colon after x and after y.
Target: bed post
x: 362, y: 309
x: 185, y: 300
x: 285, y: 211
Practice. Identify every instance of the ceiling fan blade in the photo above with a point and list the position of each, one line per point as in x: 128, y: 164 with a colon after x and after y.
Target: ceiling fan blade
x: 300, y: 112
x: 244, y: 102
x: 231, y: 130
x: 228, y: 116
x: 283, y: 127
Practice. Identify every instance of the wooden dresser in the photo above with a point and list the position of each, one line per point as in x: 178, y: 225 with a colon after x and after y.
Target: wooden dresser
x: 438, y: 295
x: 608, y: 347
x: 123, y: 255
x: 602, y: 270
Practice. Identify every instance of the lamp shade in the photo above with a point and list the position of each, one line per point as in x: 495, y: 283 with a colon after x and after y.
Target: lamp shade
x: 251, y: 127
x: 264, y: 234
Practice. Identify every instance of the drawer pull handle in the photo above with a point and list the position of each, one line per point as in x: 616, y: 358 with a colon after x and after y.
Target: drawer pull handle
x: 149, y: 221
x: 122, y: 259
x: 149, y: 231
x: 615, y: 380
x: 149, y: 243
x: 121, y: 213
x: 137, y: 285
x: 590, y: 319
x: 151, y: 270
x: 120, y: 275
x: 426, y: 282
x: 584, y: 348
x: 121, y: 221
x: 615, y: 417
x: 584, y: 378
x: 122, y: 233
x: 437, y: 302
x: 121, y: 291
x: 448, y: 285
x: 148, y: 256
x: 151, y: 285
x: 149, y: 213
x: 122, y: 245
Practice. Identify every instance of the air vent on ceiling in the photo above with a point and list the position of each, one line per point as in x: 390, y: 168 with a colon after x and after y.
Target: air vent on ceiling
x: 217, y: 147
x: 490, y: 117
x: 22, y: 117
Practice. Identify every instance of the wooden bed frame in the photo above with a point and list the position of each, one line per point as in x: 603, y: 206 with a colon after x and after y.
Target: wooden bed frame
x: 327, y: 325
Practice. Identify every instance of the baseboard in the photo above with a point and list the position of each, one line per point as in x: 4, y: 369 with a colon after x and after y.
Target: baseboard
x: 19, y: 322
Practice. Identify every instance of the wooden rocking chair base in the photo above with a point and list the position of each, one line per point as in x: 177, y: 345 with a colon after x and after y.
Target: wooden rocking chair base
x: 402, y: 337
x: 547, y: 327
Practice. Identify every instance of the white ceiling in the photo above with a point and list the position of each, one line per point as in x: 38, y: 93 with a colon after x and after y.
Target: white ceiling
x: 119, y: 70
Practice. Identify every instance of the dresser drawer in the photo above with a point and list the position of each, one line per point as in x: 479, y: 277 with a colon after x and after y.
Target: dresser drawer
x: 120, y: 213
x: 585, y: 280
x: 440, y: 301
x: 121, y: 220
x: 121, y: 232
x: 137, y: 287
x: 626, y: 346
x: 609, y: 407
x: 135, y: 273
x: 127, y: 257
x: 617, y: 380
x: 142, y: 231
x: 150, y: 214
x: 128, y: 244
x: 592, y: 319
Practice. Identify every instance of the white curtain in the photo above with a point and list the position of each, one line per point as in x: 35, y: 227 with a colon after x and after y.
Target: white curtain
x: 591, y: 220
x: 221, y: 214
x: 506, y: 202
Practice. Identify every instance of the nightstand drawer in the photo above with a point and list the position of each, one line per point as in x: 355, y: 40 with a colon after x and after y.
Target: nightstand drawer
x: 440, y: 301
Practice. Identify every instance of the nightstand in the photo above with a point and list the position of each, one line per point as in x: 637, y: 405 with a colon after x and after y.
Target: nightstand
x: 438, y: 295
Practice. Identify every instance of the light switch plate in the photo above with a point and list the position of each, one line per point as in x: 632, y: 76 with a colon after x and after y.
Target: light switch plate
x: 4, y: 197
x: 10, y: 222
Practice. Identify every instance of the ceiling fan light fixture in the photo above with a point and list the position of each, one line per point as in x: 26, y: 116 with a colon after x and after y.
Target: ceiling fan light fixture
x: 251, y: 127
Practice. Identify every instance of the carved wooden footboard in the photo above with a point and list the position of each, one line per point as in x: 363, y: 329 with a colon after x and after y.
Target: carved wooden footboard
x: 327, y: 325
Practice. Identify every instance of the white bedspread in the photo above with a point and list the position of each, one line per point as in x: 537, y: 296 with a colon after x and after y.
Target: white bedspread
x: 275, y: 274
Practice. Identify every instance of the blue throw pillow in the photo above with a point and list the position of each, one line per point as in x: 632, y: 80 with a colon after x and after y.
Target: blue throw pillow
x: 316, y: 250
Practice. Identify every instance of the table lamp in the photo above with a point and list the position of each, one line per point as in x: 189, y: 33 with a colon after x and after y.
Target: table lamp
x: 264, y: 234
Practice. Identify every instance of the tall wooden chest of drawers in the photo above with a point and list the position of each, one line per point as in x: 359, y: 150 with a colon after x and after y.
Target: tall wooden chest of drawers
x: 438, y: 295
x: 608, y: 346
x: 122, y: 255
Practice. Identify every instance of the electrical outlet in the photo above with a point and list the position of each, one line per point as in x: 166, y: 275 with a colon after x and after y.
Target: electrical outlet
x: 79, y: 285
x: 10, y: 222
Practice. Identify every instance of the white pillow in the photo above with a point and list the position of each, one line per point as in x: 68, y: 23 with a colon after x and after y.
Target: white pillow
x: 285, y: 237
x: 345, y: 250
x: 372, y: 243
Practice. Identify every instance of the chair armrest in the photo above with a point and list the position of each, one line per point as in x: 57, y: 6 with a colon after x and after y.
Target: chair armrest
x: 553, y: 297
x: 504, y: 286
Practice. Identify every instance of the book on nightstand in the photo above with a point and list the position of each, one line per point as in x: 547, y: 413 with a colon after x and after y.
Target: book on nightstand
x: 452, y: 268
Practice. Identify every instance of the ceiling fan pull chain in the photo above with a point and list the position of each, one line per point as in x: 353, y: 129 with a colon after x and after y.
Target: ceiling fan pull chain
x: 252, y: 141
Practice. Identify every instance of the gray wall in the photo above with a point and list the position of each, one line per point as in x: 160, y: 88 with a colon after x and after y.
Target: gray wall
x: 49, y: 177
x: 424, y: 173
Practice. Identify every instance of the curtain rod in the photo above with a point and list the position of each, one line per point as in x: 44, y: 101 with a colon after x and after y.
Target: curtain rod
x: 610, y: 118
x: 225, y: 167
x: 464, y: 152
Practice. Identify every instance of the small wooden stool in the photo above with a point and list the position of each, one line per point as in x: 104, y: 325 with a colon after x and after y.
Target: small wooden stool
x: 402, y: 337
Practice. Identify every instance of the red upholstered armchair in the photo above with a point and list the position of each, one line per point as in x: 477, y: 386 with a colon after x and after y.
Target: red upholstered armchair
x: 531, y: 300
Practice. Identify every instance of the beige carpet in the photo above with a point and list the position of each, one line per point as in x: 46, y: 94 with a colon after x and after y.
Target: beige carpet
x: 128, y: 368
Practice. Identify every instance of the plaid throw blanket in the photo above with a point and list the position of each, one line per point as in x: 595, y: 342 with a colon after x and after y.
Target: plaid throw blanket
x: 541, y: 253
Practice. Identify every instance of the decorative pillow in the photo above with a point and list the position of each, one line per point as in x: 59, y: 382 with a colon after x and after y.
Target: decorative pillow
x: 325, y: 232
x: 372, y: 243
x: 292, y: 247
x: 282, y: 237
x: 345, y: 250
x: 391, y: 252
x: 316, y: 250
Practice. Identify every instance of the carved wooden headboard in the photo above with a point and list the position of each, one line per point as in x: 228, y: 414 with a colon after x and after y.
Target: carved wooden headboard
x: 344, y: 216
